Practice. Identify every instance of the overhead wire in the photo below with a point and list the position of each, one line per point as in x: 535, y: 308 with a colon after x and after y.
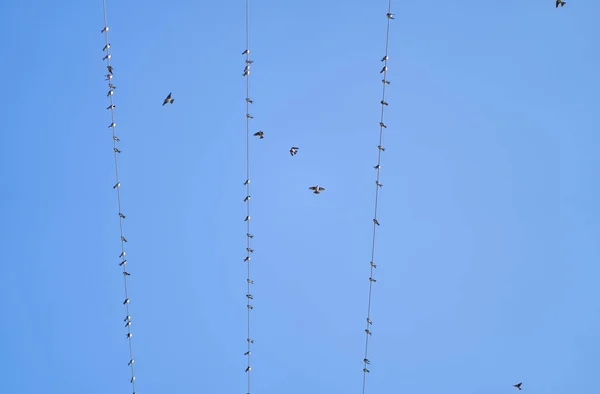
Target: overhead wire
x: 249, y: 236
x: 378, y: 185
x: 117, y: 187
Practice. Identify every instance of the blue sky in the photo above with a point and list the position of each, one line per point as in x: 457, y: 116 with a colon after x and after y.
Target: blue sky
x: 487, y: 251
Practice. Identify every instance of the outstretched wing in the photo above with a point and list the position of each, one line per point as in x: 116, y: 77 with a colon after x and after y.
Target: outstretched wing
x: 312, y: 188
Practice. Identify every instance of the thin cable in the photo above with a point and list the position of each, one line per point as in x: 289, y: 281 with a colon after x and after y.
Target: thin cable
x: 380, y: 149
x: 249, y: 235
x: 117, y: 186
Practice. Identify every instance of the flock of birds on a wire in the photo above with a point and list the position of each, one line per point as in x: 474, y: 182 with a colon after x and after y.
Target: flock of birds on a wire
x: 317, y: 189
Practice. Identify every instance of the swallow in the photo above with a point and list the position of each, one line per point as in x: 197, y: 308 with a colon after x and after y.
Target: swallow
x: 373, y: 265
x: 381, y: 124
x: 317, y: 189
x: 246, y: 73
x: 368, y: 331
x: 383, y: 102
x: 246, y: 198
x: 111, y: 106
x: 385, y: 81
x: 249, y: 235
x: 132, y: 379
x: 249, y: 296
x: 249, y: 116
x: 378, y: 184
x: 128, y: 323
x: 249, y: 250
x: 117, y: 185
x: 123, y: 239
x: 104, y: 30
x: 369, y: 321
x: 122, y: 216
x: 106, y: 57
x: 377, y: 167
x: 168, y: 100
x: 384, y: 69
x: 108, y: 77
x: 247, y: 181
x: 562, y: 4
x: 112, y: 125
x: 386, y: 57
x: 518, y: 385
x: 111, y: 86
x: 116, y: 138
x: 110, y: 93
x: 366, y: 361
x: 126, y: 301
x: 376, y: 222
x: 250, y: 282
x: 390, y: 15
x: 125, y: 273
x: 249, y: 101
x: 122, y: 263
x: 372, y: 279
x: 294, y: 150
x: 116, y: 150
x: 246, y: 52
x: 130, y: 362
x: 106, y: 47
x: 247, y: 258
x: 250, y: 306
x: 366, y: 370
x: 110, y: 69
x: 259, y: 134
x: 127, y: 318
x: 381, y: 148
x: 129, y: 335
x: 247, y: 353
x: 247, y: 218
x: 248, y: 369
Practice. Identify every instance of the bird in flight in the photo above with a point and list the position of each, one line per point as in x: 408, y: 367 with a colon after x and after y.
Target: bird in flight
x: 560, y: 3
x: 518, y: 385
x: 259, y: 134
x: 294, y: 150
x: 316, y: 189
x: 168, y: 99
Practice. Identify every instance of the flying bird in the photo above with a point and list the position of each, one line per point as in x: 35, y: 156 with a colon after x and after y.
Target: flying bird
x: 259, y: 134
x: 168, y: 99
x: 294, y: 150
x: 562, y: 4
x: 317, y: 189
x: 518, y: 385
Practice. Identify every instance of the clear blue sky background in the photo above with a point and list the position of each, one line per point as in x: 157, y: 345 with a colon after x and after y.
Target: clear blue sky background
x: 488, y: 246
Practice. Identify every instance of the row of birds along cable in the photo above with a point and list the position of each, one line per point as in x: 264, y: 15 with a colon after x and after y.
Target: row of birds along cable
x: 316, y: 189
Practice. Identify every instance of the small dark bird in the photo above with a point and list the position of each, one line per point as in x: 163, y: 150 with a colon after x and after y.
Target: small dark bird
x: 316, y: 189
x: 381, y: 124
x: 111, y: 106
x: 168, y: 100
x: 376, y: 222
x: 104, y: 30
x: 383, y: 59
x: 385, y: 81
x: 384, y: 69
x: 562, y: 4
x: 294, y: 150
x: 518, y: 385
x: 106, y: 47
x: 390, y: 15
x: 259, y: 134
x: 116, y: 150
x: 248, y: 100
x: 247, y: 51
x: 383, y: 102
x: 110, y: 69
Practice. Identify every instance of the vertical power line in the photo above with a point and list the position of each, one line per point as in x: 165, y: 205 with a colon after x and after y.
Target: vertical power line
x: 117, y: 187
x: 380, y: 150
x: 249, y: 236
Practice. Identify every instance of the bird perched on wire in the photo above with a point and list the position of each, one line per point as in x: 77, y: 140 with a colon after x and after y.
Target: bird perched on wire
x: 562, y: 4
x: 518, y: 385
x: 294, y: 150
x: 316, y: 189
x: 260, y: 134
x: 168, y: 99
